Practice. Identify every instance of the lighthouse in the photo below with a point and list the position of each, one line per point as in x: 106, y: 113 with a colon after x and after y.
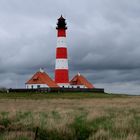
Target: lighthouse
x: 61, y: 65
x: 42, y: 80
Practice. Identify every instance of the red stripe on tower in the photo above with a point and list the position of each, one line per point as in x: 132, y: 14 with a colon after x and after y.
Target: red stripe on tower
x: 61, y: 53
x: 61, y: 66
x: 61, y: 32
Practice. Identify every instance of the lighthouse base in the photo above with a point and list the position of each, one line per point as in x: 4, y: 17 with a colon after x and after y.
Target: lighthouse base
x: 64, y: 85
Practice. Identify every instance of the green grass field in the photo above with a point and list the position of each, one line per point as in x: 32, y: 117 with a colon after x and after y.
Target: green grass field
x: 58, y: 95
x: 69, y: 116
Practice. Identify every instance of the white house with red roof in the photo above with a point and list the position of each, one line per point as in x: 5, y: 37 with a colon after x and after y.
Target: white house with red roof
x: 40, y: 80
x: 79, y: 81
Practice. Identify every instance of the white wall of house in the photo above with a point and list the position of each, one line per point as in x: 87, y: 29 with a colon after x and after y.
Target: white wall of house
x: 71, y: 86
x: 34, y: 86
x: 66, y: 85
x: 78, y: 86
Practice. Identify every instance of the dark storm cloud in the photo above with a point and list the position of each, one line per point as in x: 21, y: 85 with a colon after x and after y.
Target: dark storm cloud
x: 103, y: 40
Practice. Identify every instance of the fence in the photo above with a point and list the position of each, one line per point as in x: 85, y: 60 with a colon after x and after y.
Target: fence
x: 59, y: 90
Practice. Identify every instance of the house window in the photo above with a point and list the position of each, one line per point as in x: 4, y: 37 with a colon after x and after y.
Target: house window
x: 32, y: 86
x: 38, y: 86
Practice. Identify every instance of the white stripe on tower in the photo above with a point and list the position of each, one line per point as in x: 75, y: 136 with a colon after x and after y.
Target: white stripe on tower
x: 61, y: 42
x: 61, y: 64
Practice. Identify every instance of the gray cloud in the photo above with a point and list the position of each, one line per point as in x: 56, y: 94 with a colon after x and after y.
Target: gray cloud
x: 103, y: 40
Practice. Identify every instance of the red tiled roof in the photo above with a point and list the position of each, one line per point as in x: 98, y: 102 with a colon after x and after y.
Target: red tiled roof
x: 42, y: 78
x: 81, y: 80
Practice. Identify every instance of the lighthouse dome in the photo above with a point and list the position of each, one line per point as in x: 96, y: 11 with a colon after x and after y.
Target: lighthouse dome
x: 61, y: 24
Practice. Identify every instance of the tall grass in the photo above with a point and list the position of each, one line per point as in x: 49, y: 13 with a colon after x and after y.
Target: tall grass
x: 89, y: 119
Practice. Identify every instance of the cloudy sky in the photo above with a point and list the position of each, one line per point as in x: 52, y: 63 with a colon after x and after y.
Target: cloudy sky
x: 103, y: 40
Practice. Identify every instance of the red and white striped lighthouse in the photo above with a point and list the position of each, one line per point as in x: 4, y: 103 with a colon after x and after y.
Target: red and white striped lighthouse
x: 61, y: 66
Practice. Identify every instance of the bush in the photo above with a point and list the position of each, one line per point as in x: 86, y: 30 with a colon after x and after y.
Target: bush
x: 3, y: 90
